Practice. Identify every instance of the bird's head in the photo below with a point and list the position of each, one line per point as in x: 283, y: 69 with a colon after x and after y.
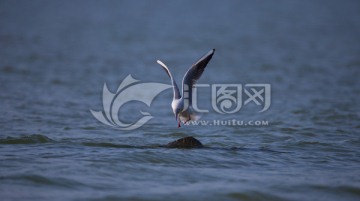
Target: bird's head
x: 177, y: 108
x: 176, y: 113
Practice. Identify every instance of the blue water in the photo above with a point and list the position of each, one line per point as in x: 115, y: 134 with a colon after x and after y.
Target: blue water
x: 55, y: 57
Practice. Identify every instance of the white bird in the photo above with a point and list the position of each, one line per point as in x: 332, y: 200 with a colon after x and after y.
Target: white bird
x: 182, y: 104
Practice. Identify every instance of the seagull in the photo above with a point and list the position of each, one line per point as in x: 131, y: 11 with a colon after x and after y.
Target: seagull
x: 182, y: 104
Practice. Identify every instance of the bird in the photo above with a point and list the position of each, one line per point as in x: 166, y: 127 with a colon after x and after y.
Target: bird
x: 182, y: 103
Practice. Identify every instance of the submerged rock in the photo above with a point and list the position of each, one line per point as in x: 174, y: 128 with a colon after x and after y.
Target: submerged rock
x: 186, y: 142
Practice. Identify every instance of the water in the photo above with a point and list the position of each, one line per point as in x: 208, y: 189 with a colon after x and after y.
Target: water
x: 56, y: 56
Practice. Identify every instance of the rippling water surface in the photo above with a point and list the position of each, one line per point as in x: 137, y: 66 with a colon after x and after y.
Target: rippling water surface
x: 56, y: 55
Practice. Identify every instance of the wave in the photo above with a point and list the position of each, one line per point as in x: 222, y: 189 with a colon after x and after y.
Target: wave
x: 27, y: 139
x: 44, y: 180
x: 114, y: 145
x: 42, y: 139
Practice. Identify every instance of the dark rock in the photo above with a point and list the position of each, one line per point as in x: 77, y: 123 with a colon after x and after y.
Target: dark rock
x: 186, y: 142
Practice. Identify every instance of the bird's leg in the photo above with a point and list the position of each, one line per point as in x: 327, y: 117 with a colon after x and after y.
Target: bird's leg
x: 179, y: 124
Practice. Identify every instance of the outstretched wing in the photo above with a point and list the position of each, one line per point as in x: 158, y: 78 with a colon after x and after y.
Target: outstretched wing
x: 175, y: 87
x: 194, y: 73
